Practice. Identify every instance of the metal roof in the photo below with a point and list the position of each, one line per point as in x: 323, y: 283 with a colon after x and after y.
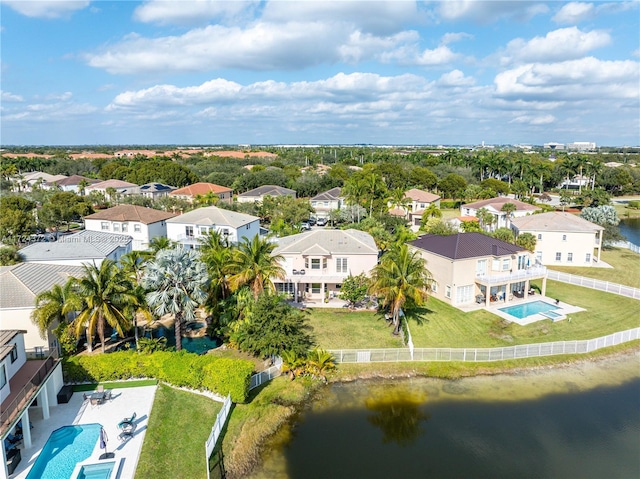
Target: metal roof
x: 465, y: 245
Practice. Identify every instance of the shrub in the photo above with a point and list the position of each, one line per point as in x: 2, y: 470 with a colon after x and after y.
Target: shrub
x: 633, y: 204
x: 450, y: 205
x: 182, y: 369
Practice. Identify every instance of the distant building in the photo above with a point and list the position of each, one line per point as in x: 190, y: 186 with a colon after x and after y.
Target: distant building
x: 554, y: 146
x: 258, y: 194
x: 581, y: 146
x: 189, y: 193
x: 494, y: 206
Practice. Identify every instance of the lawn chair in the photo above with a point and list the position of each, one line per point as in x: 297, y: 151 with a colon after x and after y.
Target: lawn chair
x: 107, y: 395
x: 127, y: 422
x: 127, y: 433
x: 100, y: 388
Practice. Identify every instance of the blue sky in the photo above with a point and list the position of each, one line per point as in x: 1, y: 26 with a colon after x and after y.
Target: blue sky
x: 319, y: 72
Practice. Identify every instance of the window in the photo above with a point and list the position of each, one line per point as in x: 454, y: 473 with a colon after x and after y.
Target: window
x: 558, y: 256
x: 506, y: 264
x: 188, y: 230
x: 481, y: 267
x: 434, y: 287
x: 341, y: 265
x: 225, y: 231
x: 204, y: 230
x: 137, y: 229
x: 569, y: 257
x: 447, y: 291
x: 539, y: 236
x: 14, y: 354
x: 3, y: 376
x: 564, y: 237
x: 587, y: 258
x: 464, y: 294
x: 116, y: 227
x: 104, y: 226
x: 125, y: 227
x: 315, y: 288
x: 315, y: 263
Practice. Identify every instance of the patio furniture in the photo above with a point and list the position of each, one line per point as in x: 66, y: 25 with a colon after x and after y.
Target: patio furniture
x: 100, y: 388
x: 127, y: 433
x: 107, y: 395
x: 13, y: 459
x: 97, y: 398
x: 532, y: 292
x: 480, y: 298
x: 65, y: 394
x: 127, y: 422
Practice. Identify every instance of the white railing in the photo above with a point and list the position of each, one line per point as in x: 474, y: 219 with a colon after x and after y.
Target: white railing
x: 483, y: 354
x: 216, y: 430
x: 600, y: 285
x: 627, y: 244
x: 266, y: 375
x: 520, y: 275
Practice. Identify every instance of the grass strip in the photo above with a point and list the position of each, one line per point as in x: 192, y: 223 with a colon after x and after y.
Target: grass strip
x: 115, y: 385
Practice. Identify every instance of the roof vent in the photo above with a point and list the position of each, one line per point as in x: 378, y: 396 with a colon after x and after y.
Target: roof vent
x: 494, y: 249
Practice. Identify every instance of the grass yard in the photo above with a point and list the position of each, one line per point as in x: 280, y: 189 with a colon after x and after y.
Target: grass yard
x: 115, y: 385
x: 179, y: 424
x: 626, y: 268
x: 344, y: 329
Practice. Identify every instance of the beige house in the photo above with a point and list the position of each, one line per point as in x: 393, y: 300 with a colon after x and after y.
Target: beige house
x: 317, y: 262
x: 327, y: 201
x: 258, y: 194
x: 475, y: 268
x: 562, y: 238
x: 189, y: 193
x: 494, y: 206
x: 417, y: 202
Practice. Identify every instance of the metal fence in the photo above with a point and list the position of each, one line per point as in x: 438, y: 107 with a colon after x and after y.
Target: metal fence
x: 483, y: 354
x: 629, y: 245
x: 216, y: 430
x: 266, y: 375
x: 600, y: 285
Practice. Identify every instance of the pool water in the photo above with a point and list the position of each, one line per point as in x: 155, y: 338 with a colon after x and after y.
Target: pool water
x: 97, y: 471
x: 522, y: 311
x: 65, y: 448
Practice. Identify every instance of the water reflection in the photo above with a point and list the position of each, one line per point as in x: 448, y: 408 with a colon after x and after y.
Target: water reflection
x: 398, y: 415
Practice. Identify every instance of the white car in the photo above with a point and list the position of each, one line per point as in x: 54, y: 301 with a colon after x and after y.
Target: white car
x: 321, y: 221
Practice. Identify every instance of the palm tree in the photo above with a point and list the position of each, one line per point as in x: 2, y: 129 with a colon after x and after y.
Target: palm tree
x: 319, y: 363
x: 133, y: 264
x: 432, y: 211
x: 401, y: 275
x: 216, y: 255
x: 108, y: 299
x: 254, y: 264
x: 397, y: 199
x: 486, y: 218
x: 508, y: 208
x: 354, y: 191
x: 55, y: 305
x: 160, y: 243
x: 208, y: 199
x: 177, y: 281
x: 292, y: 363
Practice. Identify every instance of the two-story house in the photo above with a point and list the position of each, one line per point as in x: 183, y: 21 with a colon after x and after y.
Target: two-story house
x: 23, y: 382
x: 475, y: 268
x: 153, y: 191
x: 188, y: 228
x: 258, y: 194
x: 142, y: 224
x: 106, y: 186
x: 417, y: 201
x: 317, y: 262
x: 326, y: 202
x: 191, y: 192
x: 501, y: 219
x: 91, y: 247
x: 71, y: 183
x: 562, y: 238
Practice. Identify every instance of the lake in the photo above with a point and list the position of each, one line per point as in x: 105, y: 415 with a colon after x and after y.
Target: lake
x: 582, y: 421
x: 631, y: 229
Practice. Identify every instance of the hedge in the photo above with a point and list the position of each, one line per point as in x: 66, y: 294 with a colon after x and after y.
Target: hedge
x: 183, y: 369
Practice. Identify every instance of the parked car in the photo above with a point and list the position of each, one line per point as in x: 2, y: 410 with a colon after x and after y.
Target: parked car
x: 305, y: 225
x: 312, y: 221
x: 321, y: 221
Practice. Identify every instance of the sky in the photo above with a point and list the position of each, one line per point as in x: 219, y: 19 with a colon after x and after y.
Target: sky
x: 319, y: 72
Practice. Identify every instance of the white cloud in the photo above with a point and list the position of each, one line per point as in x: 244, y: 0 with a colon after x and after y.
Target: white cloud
x: 584, y: 79
x: 574, y: 12
x: 46, y: 8
x: 165, y: 12
x: 66, y: 96
x: 534, y: 120
x: 6, y: 97
x: 558, y: 45
x: 454, y: 37
x: 455, y: 78
x: 490, y: 11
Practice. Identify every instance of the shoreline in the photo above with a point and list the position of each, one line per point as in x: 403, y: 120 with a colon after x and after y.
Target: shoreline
x: 245, y: 464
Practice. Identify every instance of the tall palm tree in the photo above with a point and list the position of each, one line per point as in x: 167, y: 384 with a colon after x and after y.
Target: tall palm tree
x: 400, y: 276
x: 397, y: 199
x: 176, y: 281
x: 56, y: 305
x: 160, y: 243
x: 254, y: 264
x: 133, y: 264
x: 432, y: 211
x: 108, y: 299
x: 508, y: 208
x: 354, y: 191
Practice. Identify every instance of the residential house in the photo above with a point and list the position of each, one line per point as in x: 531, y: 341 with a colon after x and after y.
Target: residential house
x: 326, y: 202
x: 317, y: 262
x: 39, y: 178
x: 473, y: 268
x: 563, y: 239
x: 458, y: 221
x: 189, y: 193
x: 577, y: 182
x: 417, y: 202
x: 258, y: 194
x: 20, y: 284
x: 117, y: 185
x: 91, y: 247
x: 71, y: 183
x: 153, y: 191
x: 501, y: 219
x: 26, y: 386
x: 188, y: 228
x: 140, y: 223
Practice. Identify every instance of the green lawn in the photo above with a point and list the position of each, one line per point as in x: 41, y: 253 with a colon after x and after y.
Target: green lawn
x: 115, y: 385
x: 344, y: 329
x: 179, y: 425
x: 626, y: 268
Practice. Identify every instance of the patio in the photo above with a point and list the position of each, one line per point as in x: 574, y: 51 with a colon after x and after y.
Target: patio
x: 124, y: 402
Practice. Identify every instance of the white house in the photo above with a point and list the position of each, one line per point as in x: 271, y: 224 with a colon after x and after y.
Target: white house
x: 494, y: 206
x: 20, y: 284
x: 188, y: 228
x: 562, y: 238
x: 70, y: 183
x: 153, y: 191
x: 140, y: 223
x: 40, y: 178
x: 417, y: 202
x: 327, y: 201
x: 22, y: 383
x: 258, y: 194
x: 91, y: 247
x: 317, y: 262
x: 118, y: 185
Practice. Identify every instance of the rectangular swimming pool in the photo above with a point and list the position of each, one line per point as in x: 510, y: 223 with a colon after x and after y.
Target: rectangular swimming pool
x: 96, y: 471
x: 522, y: 311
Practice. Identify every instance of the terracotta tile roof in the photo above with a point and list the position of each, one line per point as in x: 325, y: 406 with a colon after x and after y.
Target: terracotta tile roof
x: 465, y: 245
x: 201, y: 189
x: 398, y: 212
x: 138, y: 214
x: 242, y: 154
x: 421, y: 195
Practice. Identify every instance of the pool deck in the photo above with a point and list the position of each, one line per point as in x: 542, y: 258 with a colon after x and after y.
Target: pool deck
x: 77, y: 411
x: 561, y: 308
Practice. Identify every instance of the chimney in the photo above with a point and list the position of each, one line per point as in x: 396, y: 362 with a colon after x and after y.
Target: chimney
x: 494, y: 249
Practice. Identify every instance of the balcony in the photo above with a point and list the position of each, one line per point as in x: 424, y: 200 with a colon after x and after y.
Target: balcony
x: 24, y: 385
x: 535, y: 272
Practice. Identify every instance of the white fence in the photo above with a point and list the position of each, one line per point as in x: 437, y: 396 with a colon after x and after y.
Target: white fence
x: 483, y: 354
x: 629, y: 245
x: 600, y: 285
x: 221, y: 419
x: 266, y: 375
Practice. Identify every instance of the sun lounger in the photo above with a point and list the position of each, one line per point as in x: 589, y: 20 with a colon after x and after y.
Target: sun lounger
x: 127, y: 422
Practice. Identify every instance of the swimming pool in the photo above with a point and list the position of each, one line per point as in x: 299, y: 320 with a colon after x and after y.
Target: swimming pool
x: 522, y: 311
x: 100, y: 470
x: 65, y: 448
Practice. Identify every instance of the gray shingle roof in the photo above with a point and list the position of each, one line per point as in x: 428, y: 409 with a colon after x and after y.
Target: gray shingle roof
x: 212, y: 215
x: 323, y: 241
x: 20, y: 283
x: 271, y: 190
x: 465, y: 245
x: 6, y: 335
x: 329, y: 195
x: 84, y: 245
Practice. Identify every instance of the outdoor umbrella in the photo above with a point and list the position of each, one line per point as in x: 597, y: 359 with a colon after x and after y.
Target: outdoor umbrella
x: 103, y: 445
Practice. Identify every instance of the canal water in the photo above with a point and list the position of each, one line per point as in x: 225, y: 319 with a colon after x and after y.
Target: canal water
x: 580, y: 421
x: 630, y: 228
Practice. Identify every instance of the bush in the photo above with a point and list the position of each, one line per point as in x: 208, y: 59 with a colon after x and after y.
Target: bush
x: 182, y: 369
x: 633, y: 204
x: 450, y: 205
